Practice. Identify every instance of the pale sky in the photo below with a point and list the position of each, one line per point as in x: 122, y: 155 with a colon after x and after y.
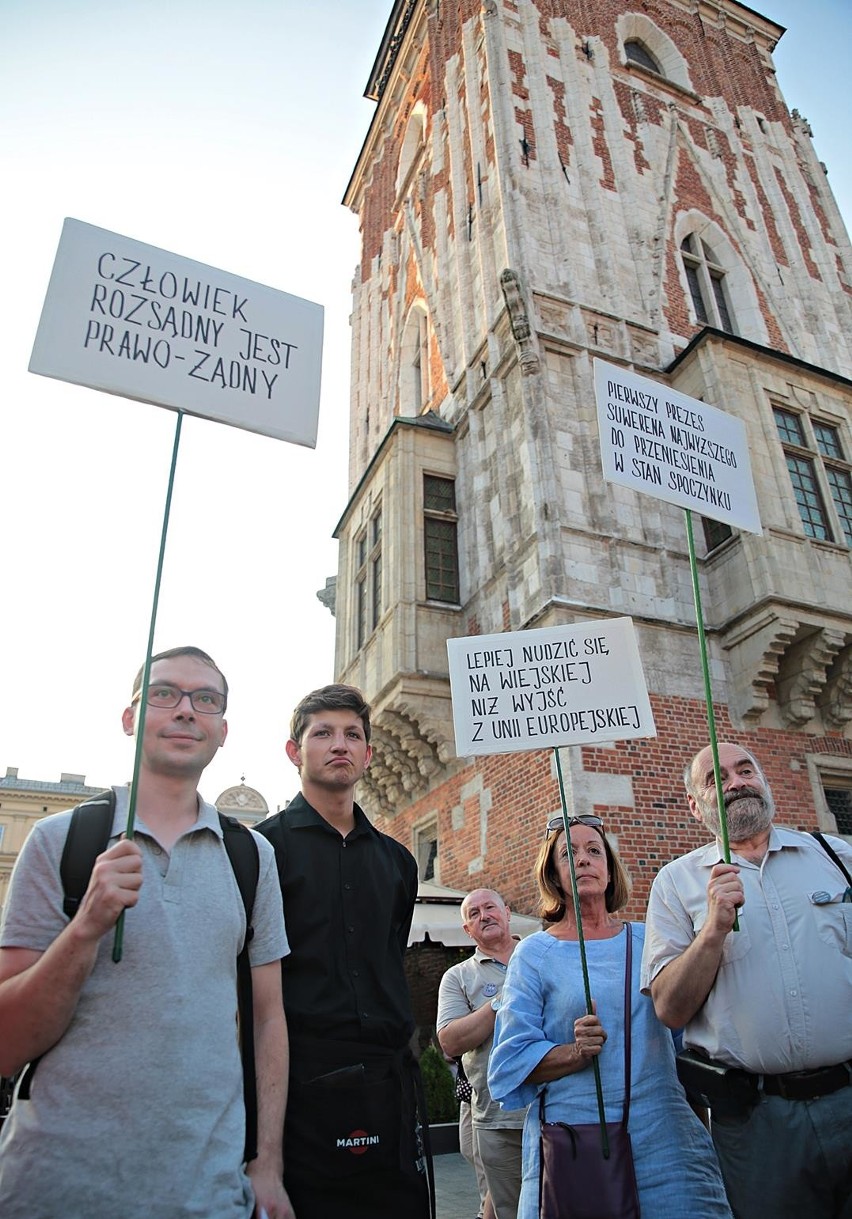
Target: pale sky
x: 225, y: 133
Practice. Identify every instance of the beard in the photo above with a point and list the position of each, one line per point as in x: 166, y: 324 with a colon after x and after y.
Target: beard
x: 748, y: 811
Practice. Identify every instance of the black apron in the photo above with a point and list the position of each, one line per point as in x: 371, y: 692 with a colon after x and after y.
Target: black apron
x: 352, y: 1139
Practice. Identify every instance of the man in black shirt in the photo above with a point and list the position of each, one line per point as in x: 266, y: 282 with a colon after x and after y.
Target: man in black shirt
x: 351, y: 1144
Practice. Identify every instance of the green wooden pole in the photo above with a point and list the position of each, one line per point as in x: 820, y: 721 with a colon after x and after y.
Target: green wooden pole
x: 708, y: 697
x: 118, y: 940
x: 583, y: 963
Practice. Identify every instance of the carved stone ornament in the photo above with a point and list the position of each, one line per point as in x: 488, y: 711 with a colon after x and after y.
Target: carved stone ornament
x: 519, y: 321
x: 802, y: 677
x: 408, y: 750
x: 836, y: 700
x: 756, y: 651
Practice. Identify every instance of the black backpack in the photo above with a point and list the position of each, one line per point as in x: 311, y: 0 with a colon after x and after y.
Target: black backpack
x: 88, y: 836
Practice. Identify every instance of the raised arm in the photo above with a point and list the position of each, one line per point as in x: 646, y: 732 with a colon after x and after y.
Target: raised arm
x: 39, y: 990
x: 682, y: 985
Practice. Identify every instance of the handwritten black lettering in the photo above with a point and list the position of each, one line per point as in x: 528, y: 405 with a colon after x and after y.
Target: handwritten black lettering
x: 646, y: 402
x: 596, y: 645
x: 156, y: 282
x: 559, y: 649
x: 130, y: 315
x: 123, y: 277
x: 489, y: 660
x: 682, y: 414
x: 193, y: 372
x: 504, y: 730
x: 697, y: 489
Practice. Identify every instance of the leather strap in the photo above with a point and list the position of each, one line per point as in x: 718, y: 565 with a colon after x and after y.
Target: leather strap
x: 808, y: 1085
x: 628, y: 972
x: 832, y: 854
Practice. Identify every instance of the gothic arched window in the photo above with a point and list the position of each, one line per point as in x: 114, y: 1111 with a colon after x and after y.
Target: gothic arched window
x: 414, y: 364
x: 706, y: 279
x: 636, y: 52
x: 644, y: 45
x: 412, y: 145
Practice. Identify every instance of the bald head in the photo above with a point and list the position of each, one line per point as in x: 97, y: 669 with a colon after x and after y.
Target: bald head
x: 480, y: 895
x: 485, y: 918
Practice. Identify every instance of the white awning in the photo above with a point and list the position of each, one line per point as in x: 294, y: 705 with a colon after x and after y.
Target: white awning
x: 437, y: 916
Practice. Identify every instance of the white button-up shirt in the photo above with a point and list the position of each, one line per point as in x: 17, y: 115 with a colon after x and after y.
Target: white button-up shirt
x: 782, y: 999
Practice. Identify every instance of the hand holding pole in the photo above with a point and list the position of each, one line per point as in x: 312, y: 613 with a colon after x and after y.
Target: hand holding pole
x: 583, y: 963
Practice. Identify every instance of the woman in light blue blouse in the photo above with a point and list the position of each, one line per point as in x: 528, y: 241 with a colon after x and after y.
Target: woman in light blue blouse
x: 544, y: 1037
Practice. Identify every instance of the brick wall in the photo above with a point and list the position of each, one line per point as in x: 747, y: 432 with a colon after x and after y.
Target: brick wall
x: 425, y: 965
x: 506, y: 800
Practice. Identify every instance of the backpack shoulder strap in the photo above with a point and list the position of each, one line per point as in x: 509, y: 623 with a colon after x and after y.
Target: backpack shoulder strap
x: 245, y: 860
x: 832, y: 854
x: 87, y: 837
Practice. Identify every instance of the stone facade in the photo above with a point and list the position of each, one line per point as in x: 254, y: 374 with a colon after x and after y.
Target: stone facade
x: 543, y: 182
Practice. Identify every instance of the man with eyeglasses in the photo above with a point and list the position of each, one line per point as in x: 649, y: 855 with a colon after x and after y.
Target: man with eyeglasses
x: 137, y: 1107
x: 465, y: 1022
x: 766, y: 1008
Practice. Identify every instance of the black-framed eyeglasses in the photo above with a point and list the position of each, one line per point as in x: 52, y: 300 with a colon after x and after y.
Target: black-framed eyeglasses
x: 558, y: 823
x: 206, y: 702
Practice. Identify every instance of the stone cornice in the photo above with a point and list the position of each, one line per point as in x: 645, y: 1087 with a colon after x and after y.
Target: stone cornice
x: 412, y: 741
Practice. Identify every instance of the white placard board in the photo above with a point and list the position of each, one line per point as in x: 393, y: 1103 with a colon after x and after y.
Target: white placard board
x: 666, y: 444
x: 133, y: 320
x: 562, y: 685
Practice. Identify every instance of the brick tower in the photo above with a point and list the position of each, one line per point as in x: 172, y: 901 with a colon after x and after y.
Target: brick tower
x: 543, y: 182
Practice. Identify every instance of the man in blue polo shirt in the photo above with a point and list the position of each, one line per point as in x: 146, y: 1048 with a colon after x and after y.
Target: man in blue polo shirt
x: 466, y: 1027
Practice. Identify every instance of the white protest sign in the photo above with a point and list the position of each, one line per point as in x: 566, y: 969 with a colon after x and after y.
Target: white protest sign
x: 130, y: 319
x: 666, y: 444
x: 562, y: 685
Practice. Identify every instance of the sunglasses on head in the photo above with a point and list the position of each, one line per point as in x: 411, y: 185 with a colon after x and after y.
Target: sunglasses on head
x: 558, y: 823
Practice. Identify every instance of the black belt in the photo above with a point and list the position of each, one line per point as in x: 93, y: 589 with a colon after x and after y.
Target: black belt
x: 807, y: 1085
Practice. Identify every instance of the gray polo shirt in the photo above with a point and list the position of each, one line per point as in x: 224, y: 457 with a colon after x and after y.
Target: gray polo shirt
x: 138, y: 1109
x: 464, y: 989
x: 783, y: 994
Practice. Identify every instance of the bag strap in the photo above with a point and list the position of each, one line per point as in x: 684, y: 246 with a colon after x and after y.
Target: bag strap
x: 830, y: 851
x: 87, y: 838
x: 245, y: 861
x: 425, y: 1134
x: 628, y: 973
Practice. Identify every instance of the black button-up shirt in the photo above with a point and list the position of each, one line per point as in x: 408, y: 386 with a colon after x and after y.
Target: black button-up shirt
x: 348, y: 905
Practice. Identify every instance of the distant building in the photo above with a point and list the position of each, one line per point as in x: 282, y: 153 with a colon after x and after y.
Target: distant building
x: 244, y: 803
x: 543, y: 182
x: 23, y: 802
